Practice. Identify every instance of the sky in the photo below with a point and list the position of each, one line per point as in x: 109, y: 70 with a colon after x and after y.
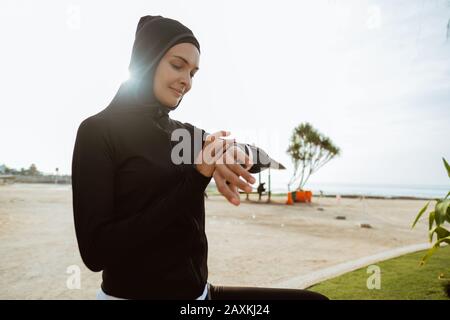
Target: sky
x: 374, y: 76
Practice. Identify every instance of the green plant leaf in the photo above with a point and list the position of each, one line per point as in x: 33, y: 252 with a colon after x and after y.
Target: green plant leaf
x: 440, y: 214
x: 428, y: 254
x: 446, y: 166
x: 441, y: 233
x: 420, y: 214
x: 431, y: 220
x: 431, y: 233
x: 441, y: 211
x: 433, y: 249
x: 446, y: 239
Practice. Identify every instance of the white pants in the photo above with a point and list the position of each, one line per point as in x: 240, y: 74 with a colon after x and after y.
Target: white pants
x: 101, y: 295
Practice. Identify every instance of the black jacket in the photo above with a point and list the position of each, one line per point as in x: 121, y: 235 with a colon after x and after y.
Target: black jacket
x: 138, y: 217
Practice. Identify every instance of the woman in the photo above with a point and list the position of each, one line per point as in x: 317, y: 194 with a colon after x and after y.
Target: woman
x: 139, y: 213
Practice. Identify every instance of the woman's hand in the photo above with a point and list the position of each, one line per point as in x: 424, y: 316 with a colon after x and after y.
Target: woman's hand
x: 222, y: 159
x: 228, y: 190
x: 211, y: 152
x: 228, y: 172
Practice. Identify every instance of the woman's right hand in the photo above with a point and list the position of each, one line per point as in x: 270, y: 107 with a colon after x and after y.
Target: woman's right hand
x: 222, y: 155
x: 211, y: 152
x: 228, y: 171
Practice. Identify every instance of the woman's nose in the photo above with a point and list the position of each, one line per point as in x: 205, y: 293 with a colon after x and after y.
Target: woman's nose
x: 186, y: 83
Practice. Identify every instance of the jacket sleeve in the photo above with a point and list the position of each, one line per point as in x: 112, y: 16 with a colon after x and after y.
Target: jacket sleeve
x: 198, y: 137
x: 103, y: 239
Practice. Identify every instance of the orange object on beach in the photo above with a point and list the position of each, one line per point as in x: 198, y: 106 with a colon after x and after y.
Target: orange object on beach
x: 289, y: 199
x: 300, y: 196
x: 308, y: 196
x: 303, y: 196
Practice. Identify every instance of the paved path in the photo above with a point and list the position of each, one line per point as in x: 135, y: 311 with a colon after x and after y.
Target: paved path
x: 305, y: 281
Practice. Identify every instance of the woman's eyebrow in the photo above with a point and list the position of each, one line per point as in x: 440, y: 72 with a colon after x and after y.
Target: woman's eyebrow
x: 187, y: 62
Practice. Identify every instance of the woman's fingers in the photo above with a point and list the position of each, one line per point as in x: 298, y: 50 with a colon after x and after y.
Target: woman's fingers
x: 229, y: 169
x: 214, y: 136
x: 242, y: 157
x: 235, y: 191
x: 240, y: 171
x: 232, y: 177
x: 212, y: 149
x: 215, y: 149
x: 231, y: 162
x: 228, y: 191
x: 233, y: 159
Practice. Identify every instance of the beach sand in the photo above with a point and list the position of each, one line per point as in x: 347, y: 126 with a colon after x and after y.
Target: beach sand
x: 255, y: 244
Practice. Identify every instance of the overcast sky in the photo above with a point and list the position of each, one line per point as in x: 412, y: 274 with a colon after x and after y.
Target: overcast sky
x: 374, y: 76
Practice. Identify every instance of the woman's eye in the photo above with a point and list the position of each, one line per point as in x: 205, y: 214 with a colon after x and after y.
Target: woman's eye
x: 179, y: 68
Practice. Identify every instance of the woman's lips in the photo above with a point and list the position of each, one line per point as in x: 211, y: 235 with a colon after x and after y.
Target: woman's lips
x: 177, y: 93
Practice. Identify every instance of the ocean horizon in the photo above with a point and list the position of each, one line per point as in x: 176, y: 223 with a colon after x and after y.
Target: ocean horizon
x: 377, y: 190
x: 382, y: 190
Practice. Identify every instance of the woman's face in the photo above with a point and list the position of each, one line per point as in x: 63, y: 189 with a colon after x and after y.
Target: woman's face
x: 173, y: 76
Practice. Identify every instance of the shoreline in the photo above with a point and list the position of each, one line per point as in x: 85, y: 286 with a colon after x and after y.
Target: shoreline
x: 212, y: 191
x: 343, y: 196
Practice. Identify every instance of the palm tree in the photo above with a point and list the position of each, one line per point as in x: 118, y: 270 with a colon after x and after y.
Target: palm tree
x: 309, y: 150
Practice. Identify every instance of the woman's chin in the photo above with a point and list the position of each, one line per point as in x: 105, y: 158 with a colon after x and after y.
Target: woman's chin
x: 171, y: 104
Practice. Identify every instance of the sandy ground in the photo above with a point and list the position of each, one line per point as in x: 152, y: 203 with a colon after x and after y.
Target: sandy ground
x: 255, y: 244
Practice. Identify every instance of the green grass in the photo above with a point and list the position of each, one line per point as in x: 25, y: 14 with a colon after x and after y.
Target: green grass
x: 402, y: 278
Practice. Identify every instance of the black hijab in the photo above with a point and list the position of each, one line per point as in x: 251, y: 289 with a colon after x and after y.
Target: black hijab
x: 155, y: 35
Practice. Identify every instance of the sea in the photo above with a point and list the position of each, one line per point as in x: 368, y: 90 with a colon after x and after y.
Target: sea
x: 381, y: 190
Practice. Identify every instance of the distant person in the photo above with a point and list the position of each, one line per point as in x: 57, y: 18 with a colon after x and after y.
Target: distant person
x: 261, y: 189
x: 140, y: 217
